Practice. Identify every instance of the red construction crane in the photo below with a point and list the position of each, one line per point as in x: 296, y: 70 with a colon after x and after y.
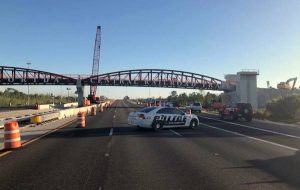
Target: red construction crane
x: 95, y: 70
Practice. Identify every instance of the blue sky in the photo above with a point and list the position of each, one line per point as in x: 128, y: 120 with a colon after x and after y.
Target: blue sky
x: 203, y: 36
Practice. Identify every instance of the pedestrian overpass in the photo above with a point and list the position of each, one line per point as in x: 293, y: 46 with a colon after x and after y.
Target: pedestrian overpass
x: 138, y: 78
x: 244, y: 89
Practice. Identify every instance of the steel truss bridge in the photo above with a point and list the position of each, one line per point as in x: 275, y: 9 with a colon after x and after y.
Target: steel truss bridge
x: 139, y: 78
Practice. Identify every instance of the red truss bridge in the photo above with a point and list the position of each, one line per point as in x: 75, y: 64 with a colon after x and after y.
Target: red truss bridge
x: 137, y: 78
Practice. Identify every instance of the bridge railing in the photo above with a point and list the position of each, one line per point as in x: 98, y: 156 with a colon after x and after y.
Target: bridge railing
x: 142, y: 77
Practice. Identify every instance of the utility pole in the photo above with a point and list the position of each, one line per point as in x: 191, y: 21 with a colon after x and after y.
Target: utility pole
x: 68, y: 89
x: 28, y: 64
x: 60, y: 93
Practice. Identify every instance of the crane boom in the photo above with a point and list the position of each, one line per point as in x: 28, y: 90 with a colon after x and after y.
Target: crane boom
x: 96, y: 59
x: 294, y: 82
x: 286, y: 85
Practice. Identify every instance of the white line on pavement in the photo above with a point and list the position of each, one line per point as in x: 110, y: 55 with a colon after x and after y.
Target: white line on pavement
x: 111, y: 131
x: 253, y: 138
x: 247, y: 126
x: 178, y: 134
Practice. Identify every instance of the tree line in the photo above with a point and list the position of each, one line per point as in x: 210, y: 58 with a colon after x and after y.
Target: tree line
x: 11, y: 96
x: 183, y: 99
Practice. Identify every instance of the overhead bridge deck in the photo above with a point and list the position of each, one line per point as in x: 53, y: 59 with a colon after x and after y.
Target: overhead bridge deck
x: 139, y: 78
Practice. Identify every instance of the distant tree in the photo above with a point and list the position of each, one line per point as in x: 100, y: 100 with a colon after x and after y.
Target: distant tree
x: 209, y: 98
x: 13, y: 96
x: 174, y: 93
x: 182, y: 99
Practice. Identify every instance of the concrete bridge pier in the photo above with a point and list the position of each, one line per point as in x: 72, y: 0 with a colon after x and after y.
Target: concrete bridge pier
x: 246, y: 88
x: 80, y: 93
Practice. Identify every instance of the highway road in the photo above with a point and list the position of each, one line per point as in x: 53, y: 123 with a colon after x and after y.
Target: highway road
x: 109, y: 154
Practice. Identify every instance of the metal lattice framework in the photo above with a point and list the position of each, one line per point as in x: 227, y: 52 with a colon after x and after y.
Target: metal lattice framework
x: 23, y: 76
x: 157, y: 78
x: 138, y: 78
x: 96, y: 59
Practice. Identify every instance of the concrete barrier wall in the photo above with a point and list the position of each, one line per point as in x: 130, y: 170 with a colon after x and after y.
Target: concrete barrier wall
x: 45, y: 106
x: 70, y: 105
x: 62, y: 113
x: 74, y: 111
x: 132, y: 102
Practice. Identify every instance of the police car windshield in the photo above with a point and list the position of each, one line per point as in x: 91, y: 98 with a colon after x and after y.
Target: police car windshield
x: 146, y: 110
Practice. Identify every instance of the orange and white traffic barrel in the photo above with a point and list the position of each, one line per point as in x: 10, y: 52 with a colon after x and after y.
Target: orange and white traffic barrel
x: 100, y: 108
x: 81, y: 120
x: 93, y: 111
x: 12, y: 137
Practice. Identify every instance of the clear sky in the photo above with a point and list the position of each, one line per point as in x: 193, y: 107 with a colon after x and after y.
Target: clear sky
x: 211, y: 37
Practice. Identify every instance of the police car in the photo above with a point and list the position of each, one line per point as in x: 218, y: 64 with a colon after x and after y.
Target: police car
x: 162, y: 117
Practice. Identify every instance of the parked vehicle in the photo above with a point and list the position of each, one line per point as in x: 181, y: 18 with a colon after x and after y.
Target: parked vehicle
x: 236, y: 111
x: 195, y: 107
x: 162, y: 117
x: 216, y: 106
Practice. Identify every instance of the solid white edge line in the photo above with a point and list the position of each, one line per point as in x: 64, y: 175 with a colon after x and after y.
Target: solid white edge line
x: 178, y: 134
x: 111, y: 131
x: 250, y: 137
x: 250, y: 127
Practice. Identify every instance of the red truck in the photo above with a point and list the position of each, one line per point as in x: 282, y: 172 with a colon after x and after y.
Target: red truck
x: 236, y: 111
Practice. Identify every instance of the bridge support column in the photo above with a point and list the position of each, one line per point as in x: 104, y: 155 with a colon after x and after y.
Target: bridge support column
x: 246, y: 88
x: 80, y: 92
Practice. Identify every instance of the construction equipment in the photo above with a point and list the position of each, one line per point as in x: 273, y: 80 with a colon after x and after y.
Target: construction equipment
x: 286, y: 85
x: 93, y: 88
x: 268, y: 84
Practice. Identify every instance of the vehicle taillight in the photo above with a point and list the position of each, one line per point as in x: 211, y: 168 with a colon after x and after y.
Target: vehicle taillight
x: 142, y: 116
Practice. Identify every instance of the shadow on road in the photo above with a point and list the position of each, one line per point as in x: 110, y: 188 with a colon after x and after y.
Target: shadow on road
x: 285, y: 168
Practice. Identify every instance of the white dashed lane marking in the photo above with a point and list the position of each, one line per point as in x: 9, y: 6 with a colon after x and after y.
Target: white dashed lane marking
x: 255, y: 128
x: 178, y: 134
x: 253, y: 138
x: 111, y: 131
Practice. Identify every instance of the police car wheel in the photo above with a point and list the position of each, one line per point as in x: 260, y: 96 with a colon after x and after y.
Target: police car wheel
x: 221, y: 116
x: 231, y: 116
x: 193, y: 124
x: 157, y: 126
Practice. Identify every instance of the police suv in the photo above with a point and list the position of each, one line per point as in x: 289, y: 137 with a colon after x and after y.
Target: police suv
x: 162, y: 117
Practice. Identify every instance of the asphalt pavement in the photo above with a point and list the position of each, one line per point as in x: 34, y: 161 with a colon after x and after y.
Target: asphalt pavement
x: 110, y: 154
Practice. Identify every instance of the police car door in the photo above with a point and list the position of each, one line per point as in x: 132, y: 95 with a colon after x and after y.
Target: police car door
x: 178, y: 118
x: 164, y: 115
